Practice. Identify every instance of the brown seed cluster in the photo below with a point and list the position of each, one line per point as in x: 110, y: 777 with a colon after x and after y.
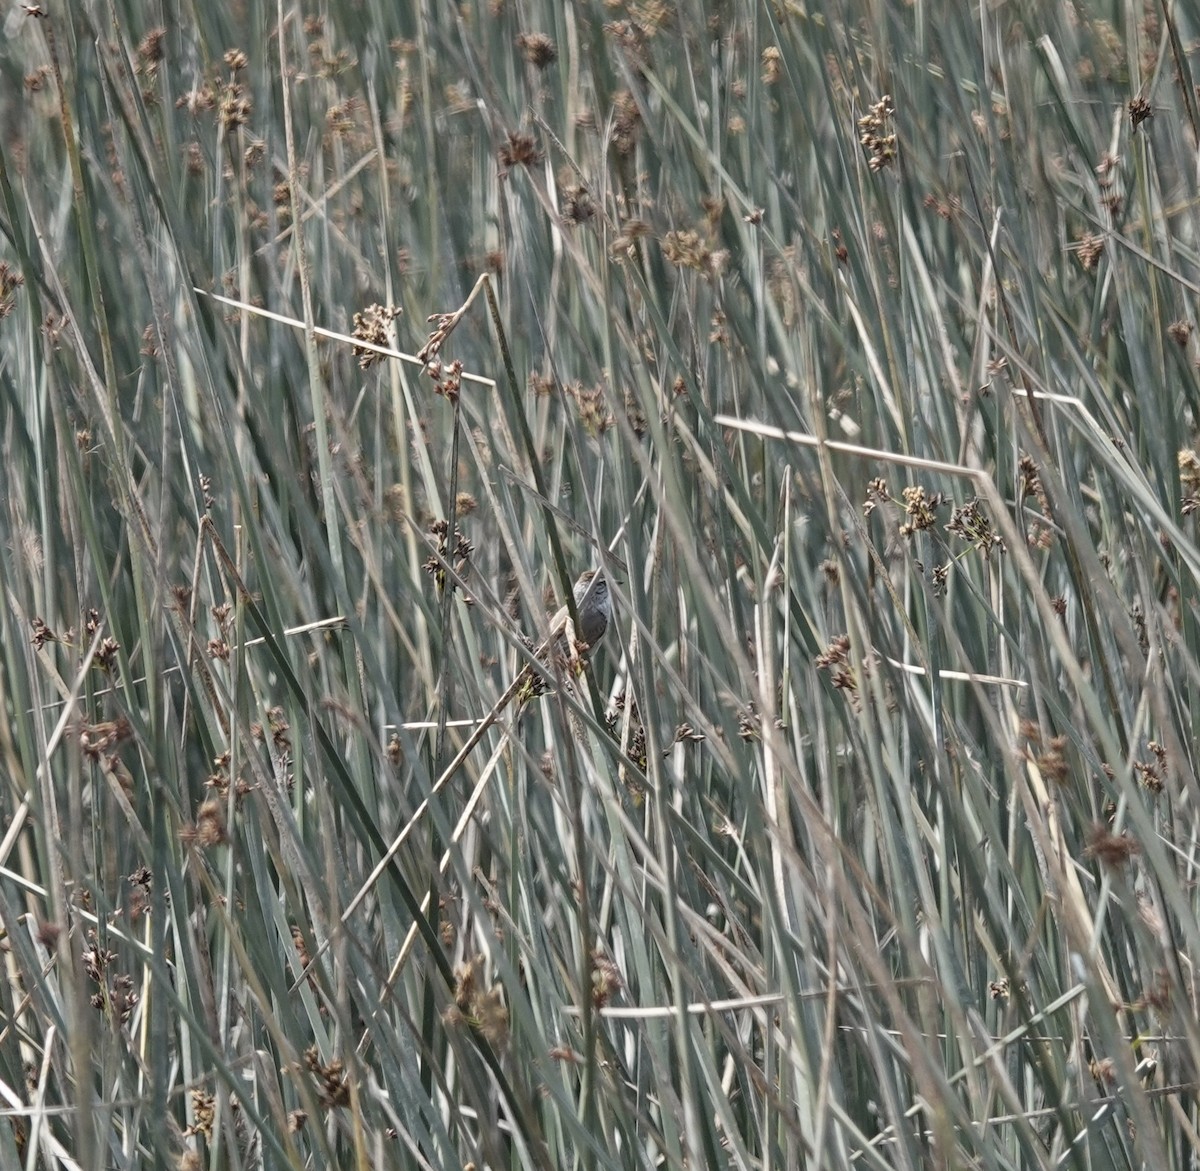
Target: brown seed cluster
x: 204, y: 1114
x: 1089, y: 248
x: 95, y: 740
x: 970, y: 523
x: 447, y: 376
x: 635, y: 743
x: 835, y: 659
x: 946, y: 209
x: 326, y: 61
x: 1114, y: 851
x: 521, y: 150
x: 1038, y: 535
x: 148, y: 58
x: 1139, y: 110
x: 347, y: 120
x: 229, y: 98
x: 482, y: 1009
x: 371, y: 325
x: 577, y: 205
x: 150, y: 50
x: 630, y: 37
x: 219, y: 780
x: 115, y: 996
x: 1153, y: 774
x: 1189, y: 479
x: 920, y: 506
x: 877, y: 493
x: 623, y: 243
x: 141, y: 882
x: 1052, y: 763
x: 333, y: 1085
x: 565, y: 662
x: 1180, y: 332
x: 462, y: 554
x: 593, y: 409
x: 920, y: 509
x: 279, y: 728
x: 538, y: 49
x: 606, y: 979
x: 772, y: 65
x: 1108, y: 179
x: 626, y: 122
x: 875, y: 134
x: 10, y: 282
x: 209, y: 829
x: 689, y: 249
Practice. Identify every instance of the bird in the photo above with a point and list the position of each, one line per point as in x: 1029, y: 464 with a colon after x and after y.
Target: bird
x: 566, y: 647
x: 593, y: 604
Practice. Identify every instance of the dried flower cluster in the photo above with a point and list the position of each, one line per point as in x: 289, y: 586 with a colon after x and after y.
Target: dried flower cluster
x: 1040, y: 535
x: 483, y: 1009
x: 1108, y: 175
x: 877, y: 493
x: 10, y: 282
x: 204, y: 1114
x: 875, y: 134
x: 229, y: 98
x: 920, y: 509
x: 1089, y: 248
x: 280, y: 730
x: 835, y: 659
x: 971, y: 524
x: 630, y: 37
x: 1113, y: 850
x: 115, y: 996
x: 577, y: 205
x: 1153, y: 774
x: 945, y: 209
x: 519, y: 151
x: 96, y: 740
x: 634, y: 743
x: 442, y: 323
x: 1189, y: 479
x: 626, y: 122
x: 1052, y: 762
x: 462, y: 553
x: 333, y: 1086
x: 593, y: 410
x: 371, y: 325
x: 631, y: 231
x: 538, y: 49
x: 688, y: 249
x: 326, y: 61
x: 447, y: 377
x: 772, y: 65
x: 606, y: 979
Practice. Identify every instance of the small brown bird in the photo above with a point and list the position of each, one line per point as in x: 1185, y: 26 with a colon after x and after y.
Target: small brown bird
x: 594, y: 605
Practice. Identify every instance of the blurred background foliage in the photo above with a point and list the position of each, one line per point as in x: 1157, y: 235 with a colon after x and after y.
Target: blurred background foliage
x: 853, y: 341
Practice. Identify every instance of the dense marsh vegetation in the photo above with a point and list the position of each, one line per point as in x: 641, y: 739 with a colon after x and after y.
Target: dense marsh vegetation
x: 855, y: 342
